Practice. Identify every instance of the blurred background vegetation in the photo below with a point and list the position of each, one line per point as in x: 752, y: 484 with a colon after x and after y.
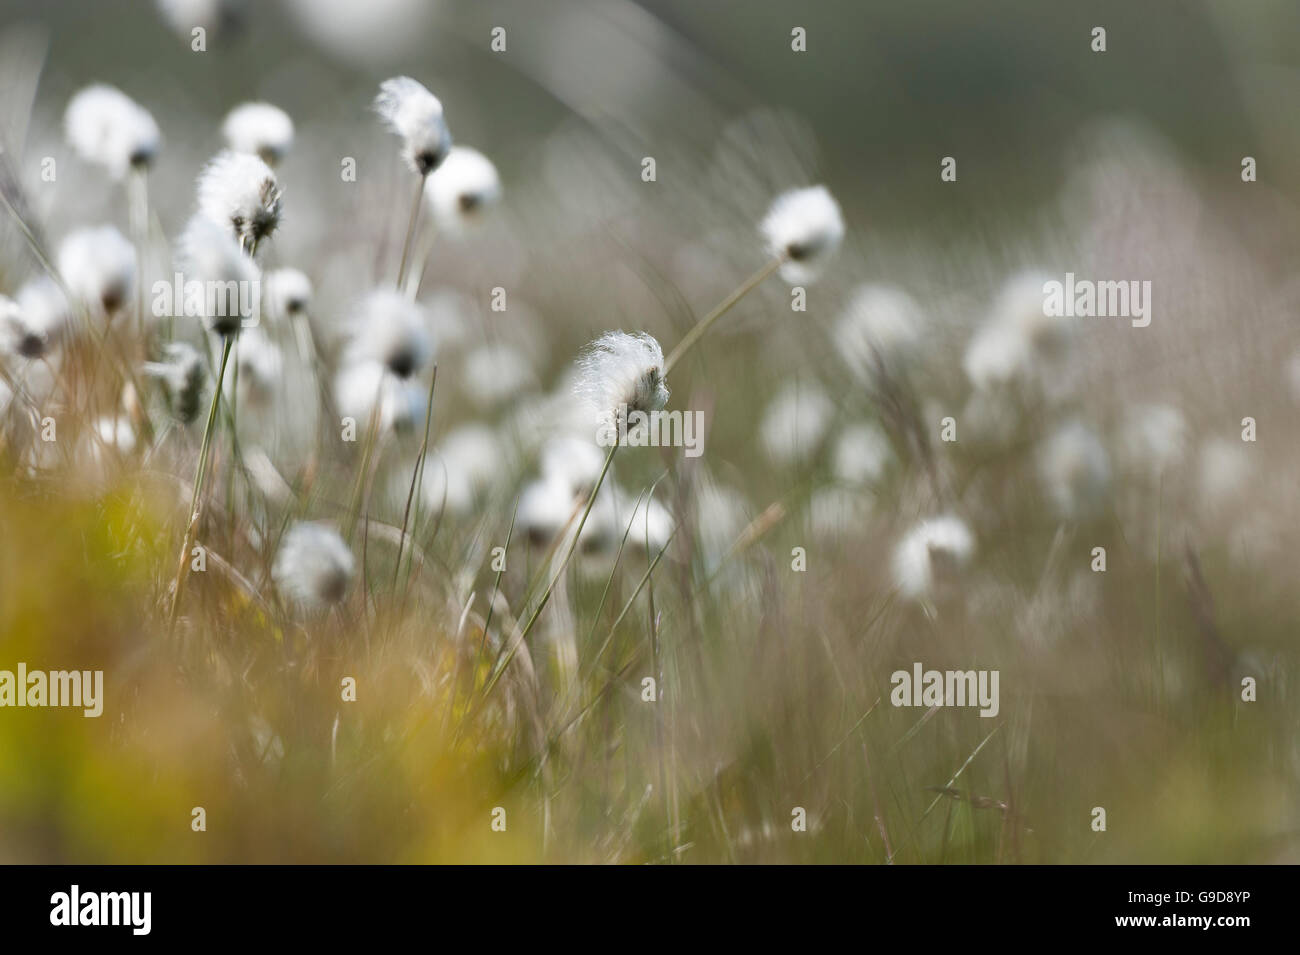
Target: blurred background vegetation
x: 1126, y: 162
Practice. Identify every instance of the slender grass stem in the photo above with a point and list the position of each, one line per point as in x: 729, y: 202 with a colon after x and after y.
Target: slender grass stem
x: 416, y: 476
x: 196, y: 500
x: 705, y: 323
x: 550, y: 588
x: 410, y: 232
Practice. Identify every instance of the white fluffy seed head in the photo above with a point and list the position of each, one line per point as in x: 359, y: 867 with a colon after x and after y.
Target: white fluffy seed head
x: 620, y: 370
x: 465, y: 462
x: 36, y: 322
x: 314, y: 566
x: 1018, y: 339
x: 106, y: 127
x: 795, y: 423
x: 545, y: 506
x: 98, y: 265
x: 415, y: 115
x: 1075, y: 471
x: 803, y: 228
x: 1154, y: 439
x: 239, y: 192
x: 461, y: 189
x: 217, y: 17
x: 208, y: 253
x: 388, y: 329
x: 361, y: 387
x: 183, y: 374
x: 261, y: 129
x: 496, y: 373
x: 287, y: 292
x: 862, y: 455
x: 615, y: 513
x: 880, y: 328
x: 261, y: 364
x: 929, y: 556
x: 572, y: 460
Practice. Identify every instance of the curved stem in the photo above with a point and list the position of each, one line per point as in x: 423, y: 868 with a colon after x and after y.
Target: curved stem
x: 705, y: 323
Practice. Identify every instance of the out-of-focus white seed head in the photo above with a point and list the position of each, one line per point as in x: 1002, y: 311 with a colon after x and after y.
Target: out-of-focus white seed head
x: 388, y: 329
x: 261, y: 366
x: 117, y: 433
x: 545, y: 505
x: 1224, y: 469
x: 1018, y: 340
x: 217, y: 18
x: 361, y: 386
x: 836, y: 512
x: 929, y: 556
x: 98, y: 266
x: 881, y: 327
x: 183, y: 374
x: 496, y: 373
x: 261, y: 129
x: 287, y: 293
x: 415, y: 115
x: 108, y: 128
x: 208, y: 253
x: 1075, y: 471
x: 461, y: 189
x: 465, y: 462
x: 39, y: 321
x: 804, y: 228
x: 795, y: 422
x: 239, y: 192
x: 314, y: 567
x: 1153, y: 439
x: 1021, y: 306
x: 862, y: 455
x: 620, y: 369
x: 613, y: 513
x: 574, y: 460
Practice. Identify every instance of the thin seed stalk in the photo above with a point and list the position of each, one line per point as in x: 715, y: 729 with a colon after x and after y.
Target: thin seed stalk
x: 410, y: 232
x: 705, y: 323
x: 564, y: 563
x: 416, y: 477
x: 196, y: 500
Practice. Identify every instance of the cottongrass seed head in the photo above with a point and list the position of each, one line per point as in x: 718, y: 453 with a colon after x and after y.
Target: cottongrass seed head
x: 259, y: 129
x: 365, y: 388
x: 620, y: 369
x: 461, y: 189
x: 288, y: 293
x: 208, y: 253
x: 929, y: 556
x: 108, y: 128
x: 415, y: 115
x: 98, y: 264
x: 38, y: 320
x: 314, y: 567
x: 393, y: 331
x: 803, y: 228
x: 1075, y: 471
x: 183, y: 374
x: 239, y: 192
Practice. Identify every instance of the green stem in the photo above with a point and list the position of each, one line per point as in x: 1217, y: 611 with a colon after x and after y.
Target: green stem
x: 704, y: 324
x: 410, y: 233
x: 196, y: 500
